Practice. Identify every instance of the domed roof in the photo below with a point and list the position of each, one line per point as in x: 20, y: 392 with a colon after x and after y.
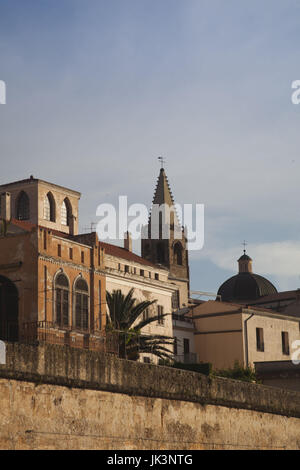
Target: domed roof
x: 245, y: 257
x: 245, y: 287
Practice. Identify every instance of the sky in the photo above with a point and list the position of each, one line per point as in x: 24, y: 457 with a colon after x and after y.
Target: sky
x: 97, y: 90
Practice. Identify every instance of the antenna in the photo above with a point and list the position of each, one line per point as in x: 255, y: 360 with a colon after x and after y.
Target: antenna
x: 91, y: 228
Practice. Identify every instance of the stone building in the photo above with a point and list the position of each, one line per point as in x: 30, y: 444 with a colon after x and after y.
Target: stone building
x: 227, y: 332
x: 52, y: 284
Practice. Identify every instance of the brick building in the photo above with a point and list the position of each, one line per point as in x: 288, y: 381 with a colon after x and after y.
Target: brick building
x: 52, y: 283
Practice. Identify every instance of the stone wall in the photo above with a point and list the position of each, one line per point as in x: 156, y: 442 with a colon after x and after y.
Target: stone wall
x: 61, y: 398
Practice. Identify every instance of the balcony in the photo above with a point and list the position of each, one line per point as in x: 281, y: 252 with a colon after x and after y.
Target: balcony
x: 188, y: 358
x: 49, y: 332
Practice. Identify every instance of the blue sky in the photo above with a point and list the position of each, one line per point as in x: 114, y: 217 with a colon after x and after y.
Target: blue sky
x: 97, y: 90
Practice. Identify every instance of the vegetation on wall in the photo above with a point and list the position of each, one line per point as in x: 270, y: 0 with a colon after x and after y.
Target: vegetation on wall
x: 238, y: 372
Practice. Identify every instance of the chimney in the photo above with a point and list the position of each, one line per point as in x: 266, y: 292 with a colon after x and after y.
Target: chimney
x: 127, y: 241
x: 5, y: 208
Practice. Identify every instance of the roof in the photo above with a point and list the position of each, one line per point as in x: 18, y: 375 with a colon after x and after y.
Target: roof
x: 245, y: 257
x: 37, y: 180
x: 286, y: 295
x: 120, y: 252
x: 246, y: 287
x: 22, y: 224
x: 216, y: 306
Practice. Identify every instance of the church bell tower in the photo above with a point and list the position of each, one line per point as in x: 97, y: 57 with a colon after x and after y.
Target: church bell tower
x: 164, y: 242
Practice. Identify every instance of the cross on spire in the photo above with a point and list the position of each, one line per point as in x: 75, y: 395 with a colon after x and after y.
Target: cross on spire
x: 162, y: 161
x: 244, y: 244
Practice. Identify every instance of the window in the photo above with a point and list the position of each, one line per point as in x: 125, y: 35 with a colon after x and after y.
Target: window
x: 175, y: 346
x: 160, y: 312
x: 142, y: 272
x: 81, y: 305
x: 186, y: 346
x: 178, y: 254
x: 58, y: 250
x: 126, y: 268
x: 23, y: 207
x: 156, y: 277
x: 71, y: 253
x: 82, y: 256
x: 49, y: 208
x: 147, y: 360
x: 285, y: 343
x: 66, y: 212
x: 146, y: 314
x: 175, y: 300
x: 62, y: 300
x: 260, y: 339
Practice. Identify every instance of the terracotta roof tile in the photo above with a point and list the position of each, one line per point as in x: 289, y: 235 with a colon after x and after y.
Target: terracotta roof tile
x: 120, y: 252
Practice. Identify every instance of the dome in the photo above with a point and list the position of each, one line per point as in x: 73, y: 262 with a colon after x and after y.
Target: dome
x: 245, y: 286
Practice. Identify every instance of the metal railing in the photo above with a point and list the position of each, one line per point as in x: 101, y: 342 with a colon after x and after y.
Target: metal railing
x: 50, y: 332
x: 188, y: 358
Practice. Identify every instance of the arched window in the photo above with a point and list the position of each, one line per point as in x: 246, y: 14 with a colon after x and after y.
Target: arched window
x: 178, y: 253
x: 49, y: 208
x: 81, y: 304
x: 66, y: 212
x: 62, y: 300
x: 23, y: 207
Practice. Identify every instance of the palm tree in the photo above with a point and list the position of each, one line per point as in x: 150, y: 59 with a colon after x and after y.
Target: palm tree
x: 125, y: 317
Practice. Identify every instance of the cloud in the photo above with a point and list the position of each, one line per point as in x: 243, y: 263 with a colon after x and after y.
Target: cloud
x: 281, y: 260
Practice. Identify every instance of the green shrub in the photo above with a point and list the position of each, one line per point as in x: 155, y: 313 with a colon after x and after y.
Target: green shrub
x: 238, y: 372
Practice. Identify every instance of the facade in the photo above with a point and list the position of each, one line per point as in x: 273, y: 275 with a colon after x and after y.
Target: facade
x: 52, y: 285
x: 229, y: 332
x: 184, y: 334
x: 125, y: 270
x: 42, y: 203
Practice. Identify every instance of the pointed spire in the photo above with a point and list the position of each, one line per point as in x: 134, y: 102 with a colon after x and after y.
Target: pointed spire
x: 163, y: 194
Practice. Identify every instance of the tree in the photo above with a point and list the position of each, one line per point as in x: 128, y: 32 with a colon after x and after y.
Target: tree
x: 124, y: 317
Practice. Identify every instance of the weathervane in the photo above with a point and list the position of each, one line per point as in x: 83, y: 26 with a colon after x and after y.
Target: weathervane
x: 162, y: 161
